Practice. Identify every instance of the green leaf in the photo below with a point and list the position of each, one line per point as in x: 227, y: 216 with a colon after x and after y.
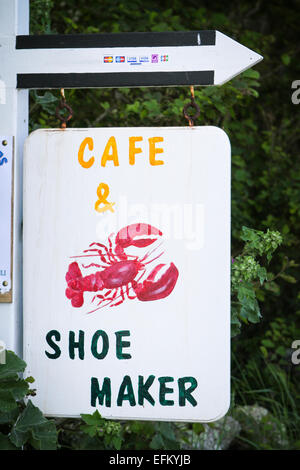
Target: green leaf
x: 264, y: 351
x: 94, y: 422
x: 47, y: 98
x: 288, y: 278
x: 17, y: 388
x: 9, y: 417
x: 262, y: 274
x: 88, y: 429
x: 45, y: 436
x: 167, y: 430
x: 286, y: 59
x: 5, y: 443
x: 7, y: 401
x: 117, y: 442
x: 249, y: 305
x: 14, y: 365
x: 92, y: 419
x: 281, y: 351
x: 157, y: 442
x: 30, y: 380
x: 32, y: 426
x: 268, y: 343
x: 198, y: 428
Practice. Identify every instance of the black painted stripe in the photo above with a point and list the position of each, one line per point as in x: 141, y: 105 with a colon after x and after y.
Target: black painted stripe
x: 114, y: 80
x: 153, y: 39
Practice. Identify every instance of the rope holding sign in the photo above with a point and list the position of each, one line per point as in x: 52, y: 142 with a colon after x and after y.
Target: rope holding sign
x: 63, y: 105
x: 191, y: 104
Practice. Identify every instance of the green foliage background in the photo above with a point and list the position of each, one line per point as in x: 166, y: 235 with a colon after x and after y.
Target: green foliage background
x: 256, y: 111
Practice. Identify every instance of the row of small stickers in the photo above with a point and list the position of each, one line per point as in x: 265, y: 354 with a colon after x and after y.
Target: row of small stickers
x: 133, y: 60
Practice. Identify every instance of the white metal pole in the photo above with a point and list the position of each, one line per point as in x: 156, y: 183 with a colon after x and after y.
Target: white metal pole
x: 14, y: 20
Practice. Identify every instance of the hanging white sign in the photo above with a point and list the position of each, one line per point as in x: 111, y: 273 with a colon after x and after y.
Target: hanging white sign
x: 127, y: 272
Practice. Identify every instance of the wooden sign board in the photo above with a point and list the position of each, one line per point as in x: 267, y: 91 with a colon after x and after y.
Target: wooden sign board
x: 6, y: 217
x: 127, y: 272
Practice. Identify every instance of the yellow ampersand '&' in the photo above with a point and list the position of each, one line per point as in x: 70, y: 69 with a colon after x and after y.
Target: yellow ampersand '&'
x: 102, y: 193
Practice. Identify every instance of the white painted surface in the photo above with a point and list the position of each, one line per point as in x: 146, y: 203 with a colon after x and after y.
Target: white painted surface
x: 14, y: 19
x: 184, y: 334
x: 6, y: 183
x: 228, y: 58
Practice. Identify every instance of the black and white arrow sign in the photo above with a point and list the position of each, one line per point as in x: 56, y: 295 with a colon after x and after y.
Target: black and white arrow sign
x: 127, y: 60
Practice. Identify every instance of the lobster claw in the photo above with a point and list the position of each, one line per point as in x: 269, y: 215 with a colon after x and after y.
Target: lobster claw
x: 139, y: 235
x: 154, y: 288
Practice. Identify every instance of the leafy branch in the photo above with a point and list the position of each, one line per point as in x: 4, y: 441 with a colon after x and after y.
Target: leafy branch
x: 249, y: 273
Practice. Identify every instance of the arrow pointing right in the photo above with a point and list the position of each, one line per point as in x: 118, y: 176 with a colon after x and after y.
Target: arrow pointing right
x: 149, y: 59
x: 231, y: 58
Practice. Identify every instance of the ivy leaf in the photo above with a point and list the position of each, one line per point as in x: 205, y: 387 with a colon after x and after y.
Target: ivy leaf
x: 33, y: 427
x: 90, y: 430
x: 92, y: 419
x: 93, y: 423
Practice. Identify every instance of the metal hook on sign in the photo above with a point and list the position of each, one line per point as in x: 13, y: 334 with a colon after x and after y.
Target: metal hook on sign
x: 63, y: 105
x: 191, y: 104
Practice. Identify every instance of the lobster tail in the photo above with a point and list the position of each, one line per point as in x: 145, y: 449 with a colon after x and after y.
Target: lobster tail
x: 77, y: 284
x: 74, y: 290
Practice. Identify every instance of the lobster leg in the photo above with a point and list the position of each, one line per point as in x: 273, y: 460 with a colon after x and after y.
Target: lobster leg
x: 111, y: 249
x: 131, y: 297
x: 120, y: 301
x: 111, y: 260
x: 106, y: 300
x: 93, y: 265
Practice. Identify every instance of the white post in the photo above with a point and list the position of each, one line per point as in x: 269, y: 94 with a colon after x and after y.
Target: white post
x: 14, y: 20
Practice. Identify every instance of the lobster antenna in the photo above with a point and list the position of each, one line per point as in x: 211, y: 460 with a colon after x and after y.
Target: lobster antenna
x: 150, y: 252
x: 153, y: 259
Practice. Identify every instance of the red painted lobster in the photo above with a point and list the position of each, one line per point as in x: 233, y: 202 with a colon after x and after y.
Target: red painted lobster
x: 121, y: 273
